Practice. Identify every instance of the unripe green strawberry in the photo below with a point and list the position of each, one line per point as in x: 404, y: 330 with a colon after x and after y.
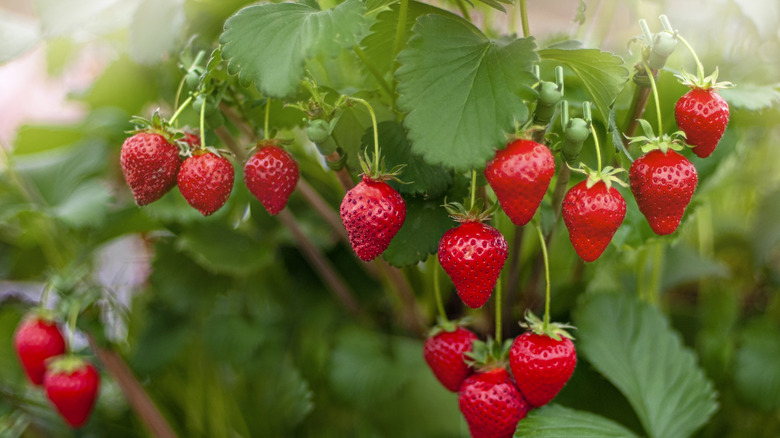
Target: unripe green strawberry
x: 36, y: 340
x: 491, y: 404
x: 205, y: 180
x: 444, y: 353
x: 372, y: 213
x: 520, y: 175
x: 150, y: 164
x: 592, y: 215
x: 473, y: 255
x: 71, y: 384
x: 271, y: 175
x: 663, y: 185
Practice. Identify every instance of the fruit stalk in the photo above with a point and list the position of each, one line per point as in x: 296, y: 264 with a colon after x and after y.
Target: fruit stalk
x: 180, y: 109
x: 546, y: 277
x: 699, y: 66
x: 437, y: 291
x: 655, y: 97
x: 524, y: 18
x: 266, y: 136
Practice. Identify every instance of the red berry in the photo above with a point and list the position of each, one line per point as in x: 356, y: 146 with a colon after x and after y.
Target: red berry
x: 71, y: 385
x: 205, y: 181
x: 372, y: 213
x: 271, y: 175
x: 193, y: 140
x: 520, y: 175
x: 703, y: 115
x: 150, y: 164
x: 592, y: 216
x: 663, y: 185
x: 541, y: 366
x: 443, y: 352
x: 37, y: 339
x: 491, y: 404
x: 473, y: 255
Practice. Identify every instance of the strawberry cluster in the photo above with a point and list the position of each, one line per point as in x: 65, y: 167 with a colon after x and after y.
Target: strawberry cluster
x: 152, y: 165
x: 69, y: 382
x: 498, y: 384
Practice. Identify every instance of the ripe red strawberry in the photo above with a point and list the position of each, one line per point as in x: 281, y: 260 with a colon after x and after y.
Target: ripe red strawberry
x: 473, y: 255
x: 271, y: 175
x: 150, y: 164
x: 520, y: 175
x: 702, y: 113
x: 36, y: 340
x: 541, y: 365
x: 592, y: 215
x: 663, y: 185
x: 193, y: 140
x: 444, y: 354
x: 491, y: 404
x: 372, y: 213
x: 71, y: 385
x: 205, y: 180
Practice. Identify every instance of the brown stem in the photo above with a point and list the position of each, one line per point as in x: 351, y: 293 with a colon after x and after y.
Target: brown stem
x: 342, y: 174
x: 230, y: 142
x: 412, y: 316
x: 321, y: 264
x: 639, y: 103
x: 139, y: 400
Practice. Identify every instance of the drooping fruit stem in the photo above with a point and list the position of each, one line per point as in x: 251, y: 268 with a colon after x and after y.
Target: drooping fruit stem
x: 655, y: 96
x: 546, y: 276
x: 374, y: 125
x: 179, y: 110
x: 699, y: 66
x: 73, y: 315
x: 524, y: 18
x: 598, y: 147
x: 499, y: 291
x: 267, y: 117
x: 203, y: 124
x: 473, y: 188
x: 437, y: 290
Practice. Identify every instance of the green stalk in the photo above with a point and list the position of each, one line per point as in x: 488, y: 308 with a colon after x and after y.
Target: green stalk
x: 181, y: 108
x: 73, y: 315
x: 374, y: 71
x: 546, y: 276
x: 598, y: 148
x: 45, y: 295
x: 699, y: 66
x: 376, y: 129
x: 499, y: 289
x: 203, y: 124
x: 400, y: 30
x: 178, y: 92
x: 524, y: 18
x: 655, y: 97
x: 473, y: 188
x: 267, y: 117
x: 437, y: 291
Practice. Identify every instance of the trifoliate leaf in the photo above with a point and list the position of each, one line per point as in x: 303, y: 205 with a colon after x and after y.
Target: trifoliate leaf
x: 268, y: 44
x: 462, y: 91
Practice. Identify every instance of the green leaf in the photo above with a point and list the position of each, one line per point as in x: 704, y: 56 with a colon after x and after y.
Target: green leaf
x: 462, y: 91
x: 268, y: 44
x: 752, y: 97
x: 554, y: 421
x: 224, y: 250
x: 155, y: 29
x: 631, y: 344
x: 757, y: 369
x: 426, y: 221
x: 418, y: 177
x: 602, y: 73
x: 87, y: 205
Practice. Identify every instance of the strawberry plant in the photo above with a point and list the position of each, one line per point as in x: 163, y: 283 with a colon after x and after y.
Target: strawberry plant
x: 338, y: 218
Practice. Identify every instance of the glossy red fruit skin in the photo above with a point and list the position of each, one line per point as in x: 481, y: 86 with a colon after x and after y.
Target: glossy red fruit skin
x: 73, y: 394
x: 541, y: 366
x: 150, y: 165
x: 271, y: 175
x: 193, y: 140
x: 473, y: 254
x: 372, y: 213
x: 663, y: 185
x: 205, y: 180
x: 520, y: 175
x: 491, y: 404
x: 703, y: 115
x: 35, y: 341
x: 443, y: 353
x: 592, y: 216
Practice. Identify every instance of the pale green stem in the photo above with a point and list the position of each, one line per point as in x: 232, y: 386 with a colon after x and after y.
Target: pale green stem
x: 546, y: 276
x: 181, y: 109
x: 499, y: 290
x: 655, y: 97
x: 699, y: 66
x: 376, y: 129
x: 437, y: 291
x: 598, y: 148
x: 72, y: 317
x: 203, y: 124
x: 473, y: 188
x: 178, y: 93
x: 524, y: 18
x: 267, y: 117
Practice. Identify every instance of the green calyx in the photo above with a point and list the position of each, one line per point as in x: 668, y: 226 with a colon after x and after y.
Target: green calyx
x: 476, y: 213
x: 489, y: 354
x: 379, y: 173
x: 156, y: 125
x: 553, y: 330
x: 608, y: 174
x: 664, y: 143
x: 65, y: 364
x: 445, y: 325
x: 702, y: 83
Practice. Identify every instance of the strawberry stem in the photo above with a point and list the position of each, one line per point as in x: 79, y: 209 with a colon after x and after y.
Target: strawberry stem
x: 598, y: 147
x: 499, y: 291
x: 699, y: 66
x: 73, y: 315
x: 374, y: 125
x: 473, y: 188
x: 45, y: 295
x: 524, y: 18
x: 181, y: 108
x: 203, y: 124
x: 267, y: 116
x: 437, y: 291
x: 655, y: 96
x: 546, y: 276
x: 178, y: 94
